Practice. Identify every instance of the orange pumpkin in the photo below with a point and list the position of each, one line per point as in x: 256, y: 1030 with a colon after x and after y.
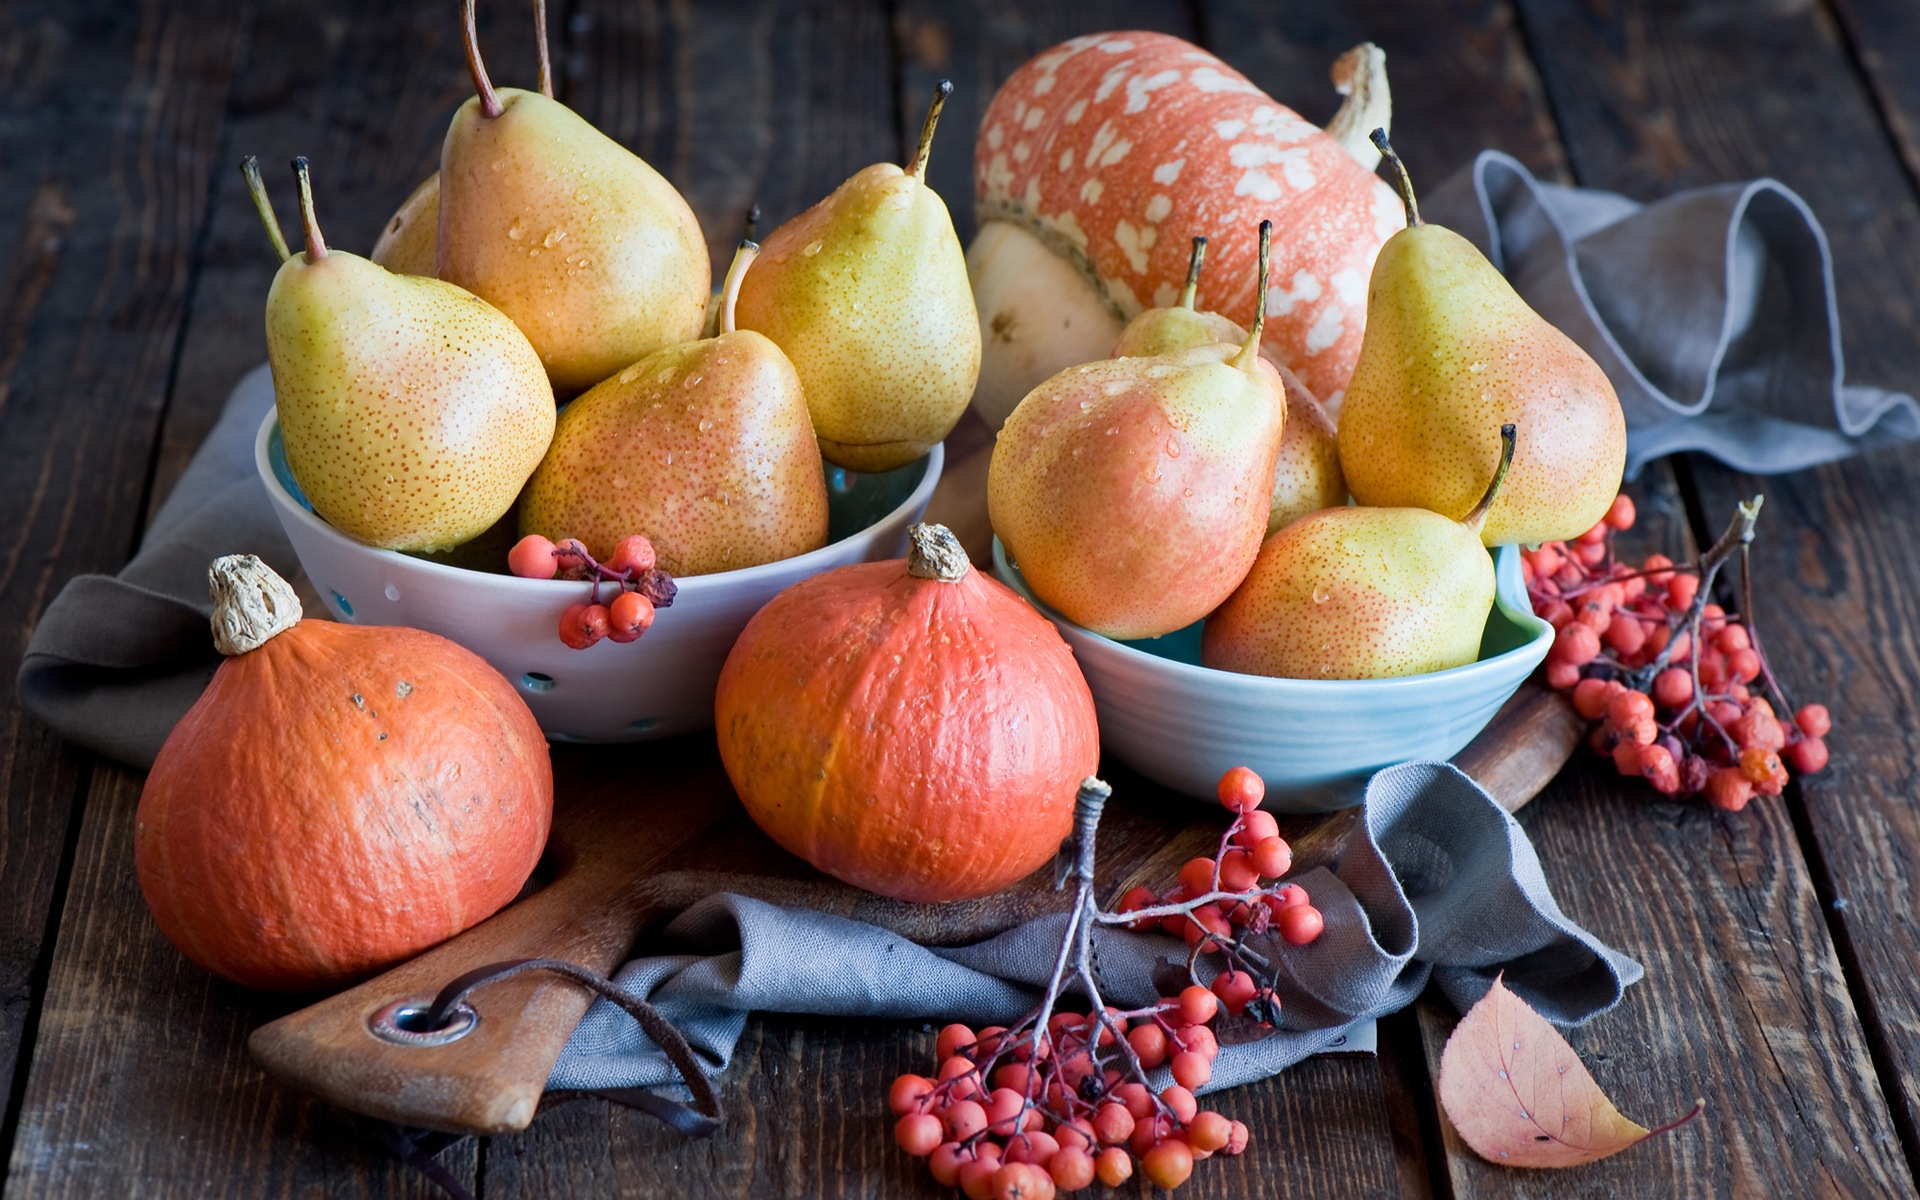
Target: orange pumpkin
x: 911, y: 727
x: 340, y: 798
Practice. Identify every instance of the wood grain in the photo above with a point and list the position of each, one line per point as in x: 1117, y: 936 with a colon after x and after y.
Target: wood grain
x: 1746, y: 998
x: 1884, y: 35
x: 141, y: 1084
x: 109, y: 118
x: 312, y: 79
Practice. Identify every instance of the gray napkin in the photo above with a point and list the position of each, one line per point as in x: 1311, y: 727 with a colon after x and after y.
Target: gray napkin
x: 117, y: 660
x: 1441, y: 882
x: 1712, y: 311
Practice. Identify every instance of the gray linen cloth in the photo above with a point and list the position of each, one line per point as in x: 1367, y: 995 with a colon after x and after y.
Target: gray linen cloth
x: 1440, y: 883
x: 1712, y: 311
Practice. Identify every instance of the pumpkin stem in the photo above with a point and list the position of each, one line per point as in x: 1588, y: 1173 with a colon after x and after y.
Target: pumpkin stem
x: 934, y: 553
x: 251, y: 604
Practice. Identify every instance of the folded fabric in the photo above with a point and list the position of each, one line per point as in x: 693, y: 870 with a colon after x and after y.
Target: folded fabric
x: 116, y: 661
x: 1440, y: 882
x: 1713, y: 311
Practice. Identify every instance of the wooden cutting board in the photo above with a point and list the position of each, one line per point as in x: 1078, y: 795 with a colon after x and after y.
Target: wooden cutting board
x: 641, y: 833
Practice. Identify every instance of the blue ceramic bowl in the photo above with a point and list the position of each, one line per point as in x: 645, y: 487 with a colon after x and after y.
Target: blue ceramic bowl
x: 1315, y: 741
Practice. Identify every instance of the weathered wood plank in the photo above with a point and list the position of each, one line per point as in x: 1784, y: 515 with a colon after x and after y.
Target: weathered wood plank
x: 109, y: 118
x: 1885, y: 36
x: 773, y: 104
x: 149, y: 1040
x: 1837, y: 612
x: 141, y: 1083
x: 1746, y: 1001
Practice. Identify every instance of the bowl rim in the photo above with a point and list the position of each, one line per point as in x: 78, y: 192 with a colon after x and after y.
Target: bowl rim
x: 818, y: 560
x: 1270, y: 685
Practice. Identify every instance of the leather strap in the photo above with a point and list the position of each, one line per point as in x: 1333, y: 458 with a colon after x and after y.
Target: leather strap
x: 416, y: 1147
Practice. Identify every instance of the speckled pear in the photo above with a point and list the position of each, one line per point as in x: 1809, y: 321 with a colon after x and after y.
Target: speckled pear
x: 1132, y: 493
x: 1306, y: 476
x: 412, y: 411
x: 1451, y: 353
x: 1179, y: 326
x: 1361, y: 593
x: 408, y: 241
x: 704, y: 447
x: 594, y: 255
x: 867, y: 293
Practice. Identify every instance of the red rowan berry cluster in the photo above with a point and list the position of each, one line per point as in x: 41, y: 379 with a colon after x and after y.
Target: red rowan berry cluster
x: 641, y: 586
x: 1680, y: 688
x: 1062, y: 1098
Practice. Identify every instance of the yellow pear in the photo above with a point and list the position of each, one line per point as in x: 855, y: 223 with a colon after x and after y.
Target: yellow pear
x: 1306, y: 476
x: 412, y: 411
x: 594, y: 255
x: 1132, y: 493
x: 406, y: 245
x: 867, y: 293
x: 1180, y: 326
x: 1361, y: 593
x: 704, y: 447
x: 1451, y: 353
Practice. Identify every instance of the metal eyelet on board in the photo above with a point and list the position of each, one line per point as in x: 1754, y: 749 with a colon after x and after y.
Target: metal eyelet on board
x: 401, y: 1023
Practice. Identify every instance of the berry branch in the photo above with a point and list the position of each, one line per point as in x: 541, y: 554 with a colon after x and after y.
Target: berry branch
x: 1060, y: 1098
x: 1664, y: 672
x: 644, y: 587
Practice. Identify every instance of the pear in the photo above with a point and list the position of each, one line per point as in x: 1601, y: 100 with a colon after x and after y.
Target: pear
x: 412, y: 411
x: 1181, y: 326
x: 1133, y: 493
x: 1362, y: 593
x: 1306, y: 476
x: 867, y: 293
x: 594, y: 255
x: 1451, y: 353
x: 705, y: 447
x: 407, y: 244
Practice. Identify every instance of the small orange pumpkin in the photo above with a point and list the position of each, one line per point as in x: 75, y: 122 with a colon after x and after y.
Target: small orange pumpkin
x: 911, y: 727
x: 340, y: 798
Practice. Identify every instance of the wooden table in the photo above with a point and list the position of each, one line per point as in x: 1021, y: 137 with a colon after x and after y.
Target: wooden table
x: 1781, y: 944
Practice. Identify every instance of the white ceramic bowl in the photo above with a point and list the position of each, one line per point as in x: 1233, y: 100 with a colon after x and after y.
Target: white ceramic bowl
x: 656, y: 687
x: 1314, y: 741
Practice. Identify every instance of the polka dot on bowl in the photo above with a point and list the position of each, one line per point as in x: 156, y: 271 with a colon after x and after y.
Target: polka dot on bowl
x: 393, y: 591
x: 644, y: 724
x: 534, y: 681
x: 340, y: 602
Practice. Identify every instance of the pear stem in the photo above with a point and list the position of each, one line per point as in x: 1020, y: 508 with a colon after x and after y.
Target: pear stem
x: 1402, y: 180
x: 316, y: 245
x: 470, y: 31
x: 257, y: 187
x: 918, y: 167
x: 751, y: 232
x: 1477, y: 519
x: 540, y: 41
x: 1250, y: 352
x: 1193, y: 273
x: 736, y: 274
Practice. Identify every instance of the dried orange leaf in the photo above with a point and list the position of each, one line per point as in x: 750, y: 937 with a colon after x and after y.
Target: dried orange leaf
x: 1519, y: 1095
